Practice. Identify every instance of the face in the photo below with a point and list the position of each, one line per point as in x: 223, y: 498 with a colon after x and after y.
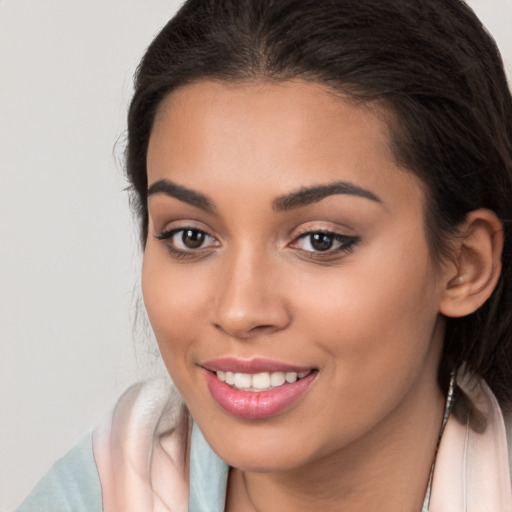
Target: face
x: 286, y: 274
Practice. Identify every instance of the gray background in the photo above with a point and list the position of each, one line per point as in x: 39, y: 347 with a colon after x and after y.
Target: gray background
x: 68, y: 246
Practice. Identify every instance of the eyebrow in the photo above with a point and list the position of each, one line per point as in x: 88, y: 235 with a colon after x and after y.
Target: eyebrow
x: 298, y: 199
x: 310, y: 195
x: 181, y: 193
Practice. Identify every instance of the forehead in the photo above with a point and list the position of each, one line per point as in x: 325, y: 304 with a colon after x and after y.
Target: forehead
x: 282, y: 135
x: 298, y: 110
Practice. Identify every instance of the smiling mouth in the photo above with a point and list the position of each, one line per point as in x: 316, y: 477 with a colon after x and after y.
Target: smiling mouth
x: 257, y: 388
x: 257, y: 382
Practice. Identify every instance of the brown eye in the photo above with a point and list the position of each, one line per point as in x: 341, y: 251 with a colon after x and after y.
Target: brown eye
x: 187, y: 240
x: 192, y: 238
x: 321, y: 241
x: 324, y: 243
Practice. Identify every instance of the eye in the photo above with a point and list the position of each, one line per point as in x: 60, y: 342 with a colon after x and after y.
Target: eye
x: 187, y: 240
x: 324, y: 242
x: 319, y: 241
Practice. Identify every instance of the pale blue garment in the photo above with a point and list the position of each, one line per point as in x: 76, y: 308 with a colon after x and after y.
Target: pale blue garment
x: 73, y: 484
x: 208, y: 476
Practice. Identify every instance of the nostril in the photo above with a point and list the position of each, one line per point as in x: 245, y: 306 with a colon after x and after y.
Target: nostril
x: 246, y: 331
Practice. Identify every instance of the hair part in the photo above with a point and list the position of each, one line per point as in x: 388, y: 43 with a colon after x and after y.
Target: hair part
x: 432, y: 67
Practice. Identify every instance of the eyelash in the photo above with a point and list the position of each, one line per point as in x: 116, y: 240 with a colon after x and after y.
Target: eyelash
x: 346, y: 243
x: 166, y: 236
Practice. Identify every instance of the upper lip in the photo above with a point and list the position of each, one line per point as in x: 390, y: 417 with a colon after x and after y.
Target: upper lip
x: 256, y: 365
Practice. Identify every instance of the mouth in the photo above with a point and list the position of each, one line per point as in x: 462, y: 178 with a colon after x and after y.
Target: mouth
x: 256, y: 389
x: 263, y: 381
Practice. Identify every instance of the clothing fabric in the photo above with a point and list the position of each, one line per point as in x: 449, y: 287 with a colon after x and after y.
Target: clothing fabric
x: 72, y: 484
x: 148, y: 456
x: 472, y: 472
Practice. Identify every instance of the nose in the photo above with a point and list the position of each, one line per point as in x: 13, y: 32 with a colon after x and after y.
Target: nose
x: 249, y: 300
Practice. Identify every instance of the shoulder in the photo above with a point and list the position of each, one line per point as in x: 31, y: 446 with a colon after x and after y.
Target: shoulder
x: 72, y: 484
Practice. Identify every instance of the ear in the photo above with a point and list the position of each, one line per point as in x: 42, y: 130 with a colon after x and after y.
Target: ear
x: 476, y: 267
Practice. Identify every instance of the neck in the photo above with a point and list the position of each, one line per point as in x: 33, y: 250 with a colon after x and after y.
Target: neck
x: 387, y: 469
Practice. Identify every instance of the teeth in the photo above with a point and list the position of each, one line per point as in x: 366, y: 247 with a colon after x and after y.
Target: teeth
x: 260, y: 381
x: 277, y: 379
x: 290, y: 377
x: 243, y: 380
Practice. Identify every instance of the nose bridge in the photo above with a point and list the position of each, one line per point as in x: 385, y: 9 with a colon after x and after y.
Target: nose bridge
x: 248, y: 300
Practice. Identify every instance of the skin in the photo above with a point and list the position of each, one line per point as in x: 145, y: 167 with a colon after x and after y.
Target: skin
x: 368, y: 319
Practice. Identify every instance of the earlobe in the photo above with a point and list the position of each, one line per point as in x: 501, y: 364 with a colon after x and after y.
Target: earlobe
x: 477, y: 264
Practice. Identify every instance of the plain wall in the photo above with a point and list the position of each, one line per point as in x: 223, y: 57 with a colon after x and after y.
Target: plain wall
x: 68, y: 246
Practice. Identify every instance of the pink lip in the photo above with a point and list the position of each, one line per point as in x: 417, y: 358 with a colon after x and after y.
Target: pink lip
x: 256, y: 404
x: 258, y: 365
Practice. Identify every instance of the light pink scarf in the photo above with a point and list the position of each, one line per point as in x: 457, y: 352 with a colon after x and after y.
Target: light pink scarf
x: 141, y: 450
x: 472, y: 471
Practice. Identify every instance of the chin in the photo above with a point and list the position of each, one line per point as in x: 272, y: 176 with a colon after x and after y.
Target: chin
x: 262, y: 448
x: 259, y: 460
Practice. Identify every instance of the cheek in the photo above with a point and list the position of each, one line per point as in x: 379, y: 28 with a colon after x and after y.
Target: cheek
x: 378, y: 330
x: 173, y: 303
x: 376, y: 317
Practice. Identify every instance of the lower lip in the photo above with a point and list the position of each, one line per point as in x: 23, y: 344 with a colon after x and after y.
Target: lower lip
x: 257, y: 404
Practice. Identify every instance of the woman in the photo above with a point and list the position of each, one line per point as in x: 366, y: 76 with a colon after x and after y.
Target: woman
x: 324, y: 194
